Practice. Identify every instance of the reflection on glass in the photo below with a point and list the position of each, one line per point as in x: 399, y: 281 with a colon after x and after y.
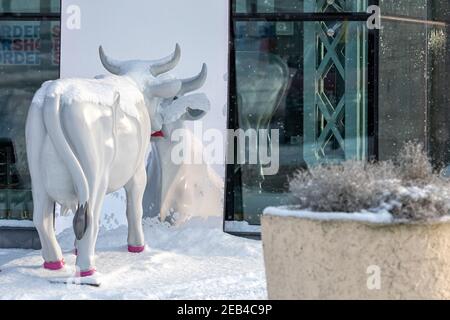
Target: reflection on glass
x: 262, y: 80
x: 29, y: 55
x: 335, y: 92
x: 310, y: 84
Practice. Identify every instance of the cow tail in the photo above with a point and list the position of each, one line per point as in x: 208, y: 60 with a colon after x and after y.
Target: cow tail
x: 52, y: 122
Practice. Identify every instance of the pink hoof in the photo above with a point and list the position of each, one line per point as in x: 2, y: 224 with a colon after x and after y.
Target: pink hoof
x: 87, y: 273
x: 54, y: 265
x: 137, y: 249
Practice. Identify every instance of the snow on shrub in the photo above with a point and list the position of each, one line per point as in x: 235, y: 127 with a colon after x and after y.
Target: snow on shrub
x: 407, y: 187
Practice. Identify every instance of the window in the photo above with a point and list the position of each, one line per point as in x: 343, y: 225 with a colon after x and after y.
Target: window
x: 306, y: 69
x: 414, y: 65
x: 29, y: 55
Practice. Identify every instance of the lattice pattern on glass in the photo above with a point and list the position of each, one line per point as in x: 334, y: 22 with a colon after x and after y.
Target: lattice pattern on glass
x: 334, y: 122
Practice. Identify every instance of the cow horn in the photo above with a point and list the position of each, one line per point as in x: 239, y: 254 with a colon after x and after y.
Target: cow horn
x: 165, y: 89
x: 194, y: 83
x: 109, y: 64
x: 166, y: 64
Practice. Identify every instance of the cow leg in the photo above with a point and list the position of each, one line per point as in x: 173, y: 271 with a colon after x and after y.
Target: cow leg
x: 85, y: 262
x: 42, y: 204
x: 44, y: 222
x: 135, y: 189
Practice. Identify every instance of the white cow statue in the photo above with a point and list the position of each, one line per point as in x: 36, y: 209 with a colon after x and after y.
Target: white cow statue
x: 89, y: 137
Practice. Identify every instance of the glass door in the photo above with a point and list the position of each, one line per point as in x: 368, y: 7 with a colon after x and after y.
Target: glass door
x: 302, y: 78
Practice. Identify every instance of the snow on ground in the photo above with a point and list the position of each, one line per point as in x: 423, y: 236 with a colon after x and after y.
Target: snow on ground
x: 193, y: 261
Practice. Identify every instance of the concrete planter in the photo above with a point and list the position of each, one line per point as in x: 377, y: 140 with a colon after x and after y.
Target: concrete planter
x: 307, y: 258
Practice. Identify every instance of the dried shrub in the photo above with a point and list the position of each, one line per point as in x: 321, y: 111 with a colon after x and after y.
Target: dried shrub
x: 414, y: 165
x: 351, y: 186
x: 407, y: 187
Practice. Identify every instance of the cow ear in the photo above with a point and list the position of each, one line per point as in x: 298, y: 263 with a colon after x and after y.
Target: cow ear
x: 165, y: 89
x: 194, y: 114
x: 190, y: 107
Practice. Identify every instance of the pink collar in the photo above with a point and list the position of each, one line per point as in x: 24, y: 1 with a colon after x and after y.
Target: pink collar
x: 158, y: 134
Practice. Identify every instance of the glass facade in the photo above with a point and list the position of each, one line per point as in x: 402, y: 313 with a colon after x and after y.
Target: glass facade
x: 29, y: 55
x: 414, y: 99
x: 334, y: 88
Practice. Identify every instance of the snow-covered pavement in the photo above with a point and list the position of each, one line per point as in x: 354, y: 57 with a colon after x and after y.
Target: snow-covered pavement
x: 194, y: 261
